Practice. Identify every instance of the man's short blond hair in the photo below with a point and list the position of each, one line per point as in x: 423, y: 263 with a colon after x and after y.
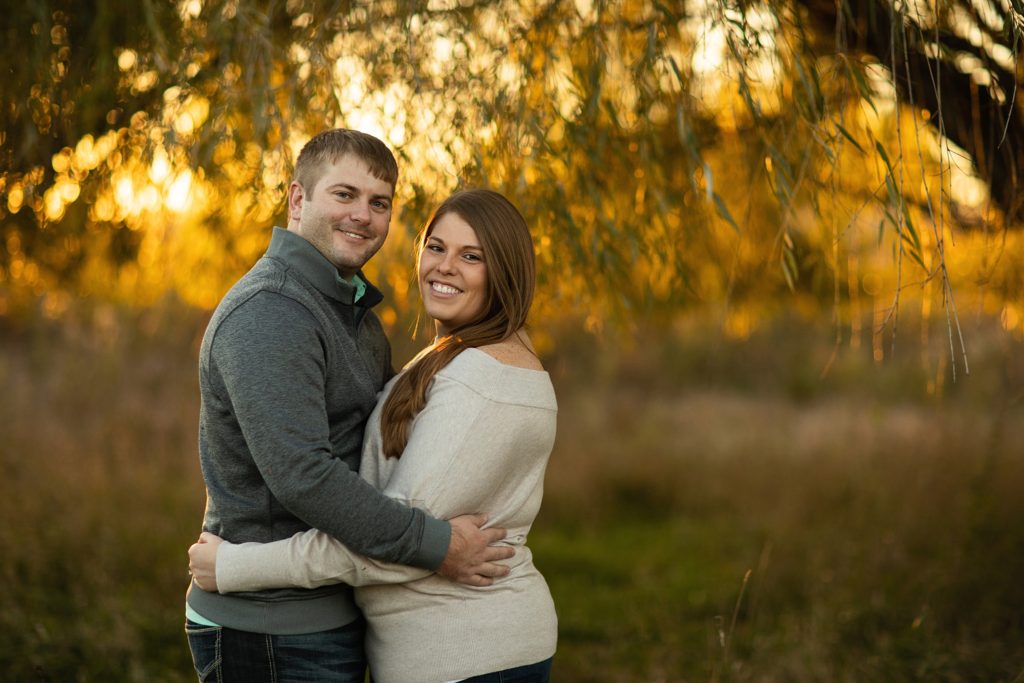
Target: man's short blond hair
x: 331, y: 145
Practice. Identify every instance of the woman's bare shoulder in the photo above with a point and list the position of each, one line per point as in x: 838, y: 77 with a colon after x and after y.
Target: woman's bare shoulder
x: 517, y: 351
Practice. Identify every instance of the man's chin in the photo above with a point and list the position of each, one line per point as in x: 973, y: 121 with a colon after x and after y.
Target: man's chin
x: 349, y: 262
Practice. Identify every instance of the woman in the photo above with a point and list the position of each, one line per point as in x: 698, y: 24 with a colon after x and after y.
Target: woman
x: 468, y: 425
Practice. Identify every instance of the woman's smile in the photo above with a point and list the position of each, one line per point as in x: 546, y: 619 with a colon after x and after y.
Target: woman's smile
x: 452, y: 274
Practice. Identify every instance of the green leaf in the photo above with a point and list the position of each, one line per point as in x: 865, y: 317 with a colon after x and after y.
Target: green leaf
x: 911, y: 235
x: 846, y: 134
x: 748, y: 97
x: 862, y: 86
x: 812, y: 96
x: 723, y: 211
x: 914, y: 254
x: 789, y: 267
x: 894, y: 195
x: 780, y: 161
x: 825, y: 146
x: 675, y: 69
x: 885, y: 157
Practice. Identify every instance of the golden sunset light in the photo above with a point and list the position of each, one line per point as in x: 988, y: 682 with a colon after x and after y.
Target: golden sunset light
x: 779, y: 302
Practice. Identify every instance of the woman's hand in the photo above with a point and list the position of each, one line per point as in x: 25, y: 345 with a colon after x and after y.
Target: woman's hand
x: 202, y: 561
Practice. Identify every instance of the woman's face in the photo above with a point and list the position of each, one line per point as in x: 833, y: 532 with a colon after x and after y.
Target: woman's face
x: 452, y: 274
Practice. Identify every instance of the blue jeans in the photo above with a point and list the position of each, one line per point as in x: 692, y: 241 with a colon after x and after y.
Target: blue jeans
x: 531, y: 673
x: 224, y: 655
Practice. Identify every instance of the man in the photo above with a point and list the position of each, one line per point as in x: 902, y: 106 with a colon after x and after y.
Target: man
x: 289, y: 370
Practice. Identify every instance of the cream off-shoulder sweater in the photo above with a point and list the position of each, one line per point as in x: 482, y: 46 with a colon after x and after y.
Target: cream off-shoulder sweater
x: 481, y: 444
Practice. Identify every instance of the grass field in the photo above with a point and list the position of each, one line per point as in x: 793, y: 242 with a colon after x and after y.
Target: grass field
x: 714, y: 511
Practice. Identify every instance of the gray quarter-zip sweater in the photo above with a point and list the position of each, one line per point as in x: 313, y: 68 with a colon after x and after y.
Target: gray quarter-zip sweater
x: 289, y: 371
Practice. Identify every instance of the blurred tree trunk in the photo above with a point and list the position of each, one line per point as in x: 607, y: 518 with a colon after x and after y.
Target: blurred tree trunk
x: 986, y: 120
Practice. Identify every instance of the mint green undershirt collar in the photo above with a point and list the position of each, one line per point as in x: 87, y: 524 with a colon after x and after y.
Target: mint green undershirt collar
x: 356, y: 282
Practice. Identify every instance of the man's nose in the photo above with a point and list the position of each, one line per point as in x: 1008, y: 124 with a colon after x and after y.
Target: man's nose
x: 360, y: 212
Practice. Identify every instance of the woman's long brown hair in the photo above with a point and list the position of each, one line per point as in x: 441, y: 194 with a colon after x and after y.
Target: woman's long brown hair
x: 508, y: 256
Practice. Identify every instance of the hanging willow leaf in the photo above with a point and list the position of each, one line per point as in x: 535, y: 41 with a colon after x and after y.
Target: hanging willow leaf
x: 789, y: 266
x: 866, y: 93
x: 139, y: 142
x: 885, y: 157
x: 846, y: 134
x: 723, y: 211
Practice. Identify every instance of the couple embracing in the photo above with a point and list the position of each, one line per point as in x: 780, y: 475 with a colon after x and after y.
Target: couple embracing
x: 354, y: 516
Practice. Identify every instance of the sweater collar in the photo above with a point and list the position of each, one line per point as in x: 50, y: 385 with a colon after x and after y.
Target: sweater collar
x: 312, y: 266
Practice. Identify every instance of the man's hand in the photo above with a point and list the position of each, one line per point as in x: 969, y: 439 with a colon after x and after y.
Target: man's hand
x: 471, y: 558
x: 202, y: 561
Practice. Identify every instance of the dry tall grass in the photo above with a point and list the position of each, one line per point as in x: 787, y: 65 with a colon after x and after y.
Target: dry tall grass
x: 880, y: 526
x: 102, y: 497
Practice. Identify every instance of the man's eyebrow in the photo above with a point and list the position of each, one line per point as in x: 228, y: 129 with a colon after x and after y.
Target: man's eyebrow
x: 355, y: 190
x: 343, y: 185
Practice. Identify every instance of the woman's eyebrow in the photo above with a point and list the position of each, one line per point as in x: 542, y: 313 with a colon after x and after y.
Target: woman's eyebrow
x: 464, y: 246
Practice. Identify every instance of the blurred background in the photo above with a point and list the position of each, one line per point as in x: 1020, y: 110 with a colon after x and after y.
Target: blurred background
x: 780, y: 296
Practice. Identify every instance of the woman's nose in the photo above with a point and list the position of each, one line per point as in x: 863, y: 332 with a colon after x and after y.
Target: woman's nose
x: 447, y: 264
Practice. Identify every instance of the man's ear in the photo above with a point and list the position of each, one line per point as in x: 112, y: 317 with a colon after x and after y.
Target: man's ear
x: 296, y: 194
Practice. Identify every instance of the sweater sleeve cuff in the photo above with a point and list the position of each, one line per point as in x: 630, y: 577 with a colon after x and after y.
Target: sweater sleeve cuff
x: 436, y: 536
x: 229, y: 569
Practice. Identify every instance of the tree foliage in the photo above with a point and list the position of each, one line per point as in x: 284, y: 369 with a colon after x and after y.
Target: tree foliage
x: 666, y: 154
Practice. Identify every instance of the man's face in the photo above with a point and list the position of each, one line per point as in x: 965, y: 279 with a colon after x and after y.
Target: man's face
x: 345, y: 215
